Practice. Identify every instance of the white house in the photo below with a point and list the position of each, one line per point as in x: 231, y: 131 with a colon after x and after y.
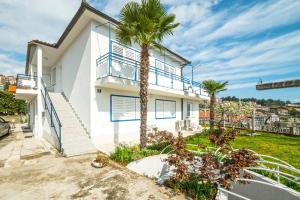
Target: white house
x: 83, y: 90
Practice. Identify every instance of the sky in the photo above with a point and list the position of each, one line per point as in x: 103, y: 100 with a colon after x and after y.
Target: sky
x: 238, y: 41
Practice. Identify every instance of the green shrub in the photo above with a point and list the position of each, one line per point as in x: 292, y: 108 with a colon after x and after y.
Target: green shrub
x: 23, y: 119
x: 160, y: 147
x: 194, y: 188
x: 126, y: 154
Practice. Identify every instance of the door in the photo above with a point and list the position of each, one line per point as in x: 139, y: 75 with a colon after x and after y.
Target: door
x: 189, y: 108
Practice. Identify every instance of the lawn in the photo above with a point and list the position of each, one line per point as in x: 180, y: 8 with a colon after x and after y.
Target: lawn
x: 286, y: 148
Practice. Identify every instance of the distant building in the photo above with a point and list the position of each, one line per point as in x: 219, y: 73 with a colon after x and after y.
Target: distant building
x: 279, y: 110
x: 7, y: 79
x: 1, y: 87
x: 11, y: 80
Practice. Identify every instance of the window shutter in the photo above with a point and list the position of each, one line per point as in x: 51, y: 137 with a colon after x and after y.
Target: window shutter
x: 159, y: 109
x: 159, y: 65
x: 129, y: 54
x: 124, y: 108
x: 117, y: 49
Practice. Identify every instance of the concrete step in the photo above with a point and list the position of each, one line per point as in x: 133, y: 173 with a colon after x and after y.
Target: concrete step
x: 75, y: 140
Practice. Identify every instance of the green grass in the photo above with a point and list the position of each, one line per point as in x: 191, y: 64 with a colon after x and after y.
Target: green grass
x: 284, y: 147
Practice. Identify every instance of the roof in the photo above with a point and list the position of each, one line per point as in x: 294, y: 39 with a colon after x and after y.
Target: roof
x: 84, y: 6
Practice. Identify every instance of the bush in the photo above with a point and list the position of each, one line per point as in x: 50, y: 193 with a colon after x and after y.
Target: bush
x: 194, y: 188
x: 9, y: 105
x: 126, y: 154
x: 23, y: 119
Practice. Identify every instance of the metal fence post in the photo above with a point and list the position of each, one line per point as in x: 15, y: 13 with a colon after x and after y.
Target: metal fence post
x: 278, y: 173
x: 51, y: 114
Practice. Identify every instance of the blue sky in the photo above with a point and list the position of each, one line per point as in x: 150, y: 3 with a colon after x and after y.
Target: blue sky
x: 237, y: 41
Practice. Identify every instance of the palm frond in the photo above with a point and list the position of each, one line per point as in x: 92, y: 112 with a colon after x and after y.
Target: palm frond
x: 213, y: 87
x: 145, y: 23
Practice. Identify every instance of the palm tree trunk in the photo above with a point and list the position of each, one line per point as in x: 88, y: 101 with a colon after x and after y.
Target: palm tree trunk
x: 212, y: 112
x: 144, y: 76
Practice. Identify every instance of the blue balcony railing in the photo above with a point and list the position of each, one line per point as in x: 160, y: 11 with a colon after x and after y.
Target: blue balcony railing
x: 116, y: 65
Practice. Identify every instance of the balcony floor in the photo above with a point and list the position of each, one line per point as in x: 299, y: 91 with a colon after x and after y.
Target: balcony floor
x: 26, y: 94
x: 129, y: 85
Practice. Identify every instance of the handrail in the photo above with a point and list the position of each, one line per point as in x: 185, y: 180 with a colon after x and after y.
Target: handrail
x: 232, y: 193
x: 53, y: 114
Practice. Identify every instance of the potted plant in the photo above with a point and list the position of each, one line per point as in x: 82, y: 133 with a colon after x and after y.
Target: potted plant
x: 100, y: 161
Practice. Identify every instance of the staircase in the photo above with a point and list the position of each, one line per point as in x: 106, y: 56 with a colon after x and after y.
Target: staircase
x: 74, y: 137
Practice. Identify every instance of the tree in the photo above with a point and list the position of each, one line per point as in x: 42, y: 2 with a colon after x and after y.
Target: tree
x: 10, y: 105
x: 235, y: 111
x: 147, y: 24
x: 6, y: 85
x: 212, y: 87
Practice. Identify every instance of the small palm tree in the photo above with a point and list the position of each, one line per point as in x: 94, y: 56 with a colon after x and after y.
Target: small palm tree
x: 147, y: 24
x: 212, y: 87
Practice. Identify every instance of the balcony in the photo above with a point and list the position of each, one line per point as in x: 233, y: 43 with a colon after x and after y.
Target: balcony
x: 120, y: 67
x: 26, y: 87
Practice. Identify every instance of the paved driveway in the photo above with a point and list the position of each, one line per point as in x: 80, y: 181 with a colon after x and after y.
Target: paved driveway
x: 51, y: 177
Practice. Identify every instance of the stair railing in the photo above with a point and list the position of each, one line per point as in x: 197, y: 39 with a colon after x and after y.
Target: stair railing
x: 54, y: 119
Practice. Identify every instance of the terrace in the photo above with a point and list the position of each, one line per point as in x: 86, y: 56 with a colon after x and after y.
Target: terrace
x: 123, y: 62
x: 26, y: 87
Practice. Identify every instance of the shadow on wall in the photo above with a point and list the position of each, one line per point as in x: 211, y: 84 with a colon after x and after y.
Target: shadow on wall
x: 116, y: 133
x: 48, y: 132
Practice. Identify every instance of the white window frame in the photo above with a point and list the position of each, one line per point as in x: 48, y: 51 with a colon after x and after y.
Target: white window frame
x: 136, y: 110
x: 189, y: 113
x: 164, y: 112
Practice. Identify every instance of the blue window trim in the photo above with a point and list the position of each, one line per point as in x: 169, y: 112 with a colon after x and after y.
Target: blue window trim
x: 164, y: 117
x: 124, y: 120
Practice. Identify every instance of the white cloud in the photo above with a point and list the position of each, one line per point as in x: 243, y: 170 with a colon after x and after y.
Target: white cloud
x: 191, y: 12
x: 241, y: 85
x: 22, y: 21
x: 113, y: 7
x: 10, y: 66
x: 259, y: 18
x: 250, y: 57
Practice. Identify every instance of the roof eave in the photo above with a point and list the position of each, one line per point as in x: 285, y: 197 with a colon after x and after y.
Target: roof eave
x: 85, y: 6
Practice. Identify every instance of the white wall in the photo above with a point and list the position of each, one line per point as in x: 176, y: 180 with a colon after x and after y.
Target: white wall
x: 107, y: 132
x: 73, y: 75
x: 194, y: 113
x: 103, y: 131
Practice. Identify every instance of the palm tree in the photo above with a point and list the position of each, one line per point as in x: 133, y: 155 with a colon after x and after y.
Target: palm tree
x: 147, y: 24
x: 212, y: 87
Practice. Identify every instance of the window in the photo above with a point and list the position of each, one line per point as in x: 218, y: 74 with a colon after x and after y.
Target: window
x: 165, y: 109
x: 189, y: 110
x: 124, y: 108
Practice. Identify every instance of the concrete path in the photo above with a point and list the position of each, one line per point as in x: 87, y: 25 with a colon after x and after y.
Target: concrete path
x: 29, y: 171
x: 15, y: 149
x: 51, y: 177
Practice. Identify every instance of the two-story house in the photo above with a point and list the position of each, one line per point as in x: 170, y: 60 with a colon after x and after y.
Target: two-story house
x: 83, y: 90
